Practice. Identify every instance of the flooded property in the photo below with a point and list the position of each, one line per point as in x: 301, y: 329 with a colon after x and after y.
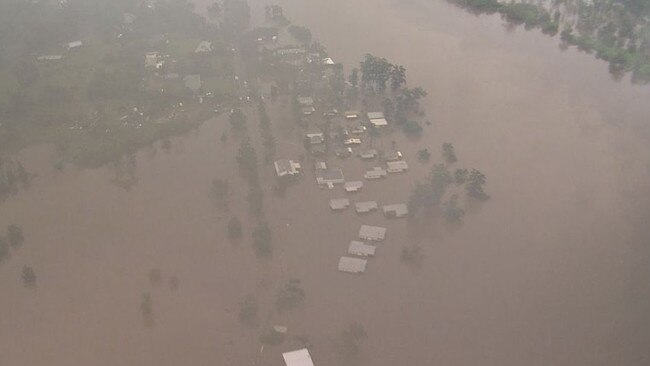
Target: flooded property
x: 135, y: 266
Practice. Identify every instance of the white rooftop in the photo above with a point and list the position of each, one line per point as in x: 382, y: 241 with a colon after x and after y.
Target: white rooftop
x: 299, y: 357
x: 379, y: 122
x: 363, y: 207
x: 353, y: 186
x: 396, y: 210
x: 352, y: 265
x: 397, y: 166
x: 376, y: 115
x: 339, y: 203
x: 361, y: 249
x: 368, y: 232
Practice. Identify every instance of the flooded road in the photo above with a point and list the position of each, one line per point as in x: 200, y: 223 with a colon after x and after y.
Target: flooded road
x: 553, y: 270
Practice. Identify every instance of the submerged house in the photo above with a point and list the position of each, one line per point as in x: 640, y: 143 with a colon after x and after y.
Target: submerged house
x: 372, y: 233
x: 306, y: 105
x: 286, y: 167
x: 299, y: 357
x: 353, y: 186
x: 339, y: 204
x: 398, y: 166
x: 396, y: 210
x: 377, y: 119
x: 203, y: 47
x: 361, y: 249
x: 330, y: 177
x: 352, y: 265
x: 315, y: 137
x: 375, y: 173
x: 75, y: 44
x: 365, y: 207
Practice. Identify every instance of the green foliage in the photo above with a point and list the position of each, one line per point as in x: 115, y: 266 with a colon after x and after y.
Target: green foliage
x: 424, y: 155
x: 234, y: 229
x: 271, y: 337
x: 460, y: 176
x: 248, y: 311
x: 237, y: 120
x: 351, y: 338
x: 247, y: 160
x: 155, y: 277
x: 4, y: 249
x: 255, y: 199
x: 290, y: 296
x: 474, y: 187
x: 262, y: 241
x: 375, y: 71
x: 448, y: 153
x: 397, y: 77
x: 452, y: 211
x: 15, y: 235
x: 428, y: 195
x: 220, y: 191
x: 412, y: 128
x: 29, y: 277
x: 411, y: 256
x: 300, y: 34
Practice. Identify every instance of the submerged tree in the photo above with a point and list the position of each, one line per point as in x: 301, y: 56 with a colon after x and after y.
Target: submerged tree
x: 247, y: 160
x: 411, y: 256
x: 248, y: 311
x: 424, y: 155
x: 15, y: 235
x: 460, y: 176
x: 234, y: 229
x: 237, y: 120
x: 351, y: 338
x: 448, y: 153
x: 474, y: 187
x: 4, y: 249
x: 452, y: 210
x: 290, y: 296
x: 262, y: 241
x: 220, y: 192
x: 146, y: 308
x: 29, y: 277
x: 155, y: 277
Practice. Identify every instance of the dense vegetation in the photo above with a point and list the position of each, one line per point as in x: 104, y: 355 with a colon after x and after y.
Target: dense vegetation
x: 98, y: 100
x: 617, y: 31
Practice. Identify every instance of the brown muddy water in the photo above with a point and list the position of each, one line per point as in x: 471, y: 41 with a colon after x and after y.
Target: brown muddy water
x: 553, y: 270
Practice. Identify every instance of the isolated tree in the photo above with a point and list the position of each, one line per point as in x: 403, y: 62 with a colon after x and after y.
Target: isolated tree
x: 290, y: 296
x: 220, y: 192
x: 411, y: 256
x: 247, y: 160
x: 4, y: 249
x: 237, y: 120
x: 15, y: 235
x: 248, y: 311
x: 262, y: 240
x: 234, y: 229
x: 155, y: 277
x: 474, y: 187
x: 452, y: 211
x: 460, y: 176
x: 174, y: 283
x: 424, y: 155
x: 146, y: 309
x: 448, y: 153
x: 29, y: 277
x: 351, y: 338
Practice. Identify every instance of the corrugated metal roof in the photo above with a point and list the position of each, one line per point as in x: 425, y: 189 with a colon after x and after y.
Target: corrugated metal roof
x: 352, y: 265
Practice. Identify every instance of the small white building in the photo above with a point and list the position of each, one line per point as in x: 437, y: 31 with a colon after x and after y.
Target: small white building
x: 286, y: 167
x: 396, y: 210
x: 339, y: 204
x: 377, y: 119
x: 75, y: 44
x: 299, y: 357
x: 365, y: 207
x: 330, y: 177
x: 398, y: 166
x: 361, y: 249
x: 375, y: 173
x: 372, y: 233
x: 353, y: 186
x: 315, y: 137
x: 352, y: 265
x: 352, y: 114
x: 203, y: 47
x: 368, y: 154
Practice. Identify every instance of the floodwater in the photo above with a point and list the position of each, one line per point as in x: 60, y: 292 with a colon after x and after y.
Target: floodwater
x: 553, y: 270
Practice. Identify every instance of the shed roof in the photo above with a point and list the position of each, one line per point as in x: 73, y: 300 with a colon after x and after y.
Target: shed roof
x: 396, y: 210
x: 363, y: 207
x: 361, y: 249
x: 352, y: 265
x: 376, y: 115
x: 368, y: 232
x: 339, y: 203
x: 299, y: 357
x: 353, y: 186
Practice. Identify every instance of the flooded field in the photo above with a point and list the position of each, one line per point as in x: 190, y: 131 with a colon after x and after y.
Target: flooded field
x: 553, y: 270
